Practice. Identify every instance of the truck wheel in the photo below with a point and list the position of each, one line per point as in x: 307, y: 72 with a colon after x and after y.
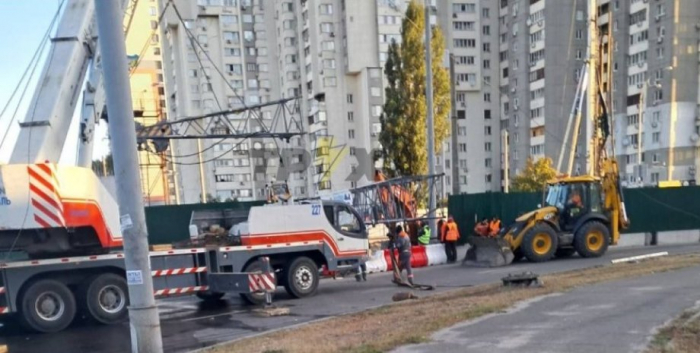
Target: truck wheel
x: 255, y: 298
x: 208, y: 296
x: 47, y: 306
x: 592, y: 239
x: 563, y: 253
x: 539, y: 243
x: 104, y: 298
x: 301, y: 277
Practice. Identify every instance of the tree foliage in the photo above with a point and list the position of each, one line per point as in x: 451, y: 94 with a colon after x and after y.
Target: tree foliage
x: 104, y: 167
x: 404, y: 119
x: 535, y: 175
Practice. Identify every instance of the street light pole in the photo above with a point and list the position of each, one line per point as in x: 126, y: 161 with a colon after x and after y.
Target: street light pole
x: 642, y: 106
x: 143, y: 313
x: 429, y: 117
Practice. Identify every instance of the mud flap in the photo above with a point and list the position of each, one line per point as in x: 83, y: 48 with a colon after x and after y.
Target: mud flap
x: 488, y: 252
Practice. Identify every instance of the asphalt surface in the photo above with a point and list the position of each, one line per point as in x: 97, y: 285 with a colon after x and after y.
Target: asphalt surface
x: 187, y: 324
x: 619, y: 316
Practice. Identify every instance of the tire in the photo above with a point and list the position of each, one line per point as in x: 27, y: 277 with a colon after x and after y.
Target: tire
x: 301, y: 277
x: 564, y: 253
x: 539, y: 243
x: 47, y: 306
x: 592, y: 239
x: 104, y: 298
x: 210, y: 297
x: 254, y: 298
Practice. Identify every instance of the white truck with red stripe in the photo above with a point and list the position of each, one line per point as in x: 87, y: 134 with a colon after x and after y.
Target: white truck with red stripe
x: 286, y: 246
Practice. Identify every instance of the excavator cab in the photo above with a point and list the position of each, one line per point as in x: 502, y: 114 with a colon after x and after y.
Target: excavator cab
x: 573, y: 200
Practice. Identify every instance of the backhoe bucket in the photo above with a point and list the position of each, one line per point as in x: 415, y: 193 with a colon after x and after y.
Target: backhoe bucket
x: 488, y: 252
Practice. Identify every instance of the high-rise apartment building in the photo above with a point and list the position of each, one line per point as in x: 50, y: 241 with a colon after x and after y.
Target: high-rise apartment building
x: 148, y: 97
x: 656, y: 101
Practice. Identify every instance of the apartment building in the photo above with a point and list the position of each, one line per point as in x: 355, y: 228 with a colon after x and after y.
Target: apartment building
x: 148, y: 97
x: 655, y: 70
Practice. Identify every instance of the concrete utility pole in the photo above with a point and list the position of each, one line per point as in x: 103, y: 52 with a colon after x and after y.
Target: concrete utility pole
x: 429, y: 105
x: 506, y: 165
x: 143, y: 314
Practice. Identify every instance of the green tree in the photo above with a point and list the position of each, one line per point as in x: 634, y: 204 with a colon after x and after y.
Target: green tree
x: 404, y: 133
x: 535, y: 175
x: 103, y: 167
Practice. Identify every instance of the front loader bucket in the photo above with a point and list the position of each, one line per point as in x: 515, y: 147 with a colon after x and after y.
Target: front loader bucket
x: 488, y: 252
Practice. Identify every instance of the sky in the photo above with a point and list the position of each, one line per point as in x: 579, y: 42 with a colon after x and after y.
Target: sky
x: 22, y: 26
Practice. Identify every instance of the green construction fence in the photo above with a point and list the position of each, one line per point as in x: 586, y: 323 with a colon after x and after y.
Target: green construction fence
x: 169, y: 224
x: 649, y: 209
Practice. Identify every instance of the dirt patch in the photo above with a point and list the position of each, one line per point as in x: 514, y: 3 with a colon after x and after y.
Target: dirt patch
x: 407, y: 322
x: 682, y: 335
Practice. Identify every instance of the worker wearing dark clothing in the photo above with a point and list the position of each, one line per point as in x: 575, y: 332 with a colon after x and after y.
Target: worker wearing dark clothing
x: 451, y: 236
x: 403, y: 245
x: 440, y: 223
x: 361, y: 273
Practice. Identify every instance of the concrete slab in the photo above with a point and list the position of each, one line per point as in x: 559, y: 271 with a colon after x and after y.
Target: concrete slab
x: 679, y: 237
x: 632, y: 239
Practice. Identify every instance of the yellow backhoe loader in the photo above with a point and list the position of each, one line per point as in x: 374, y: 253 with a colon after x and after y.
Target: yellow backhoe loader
x: 580, y: 214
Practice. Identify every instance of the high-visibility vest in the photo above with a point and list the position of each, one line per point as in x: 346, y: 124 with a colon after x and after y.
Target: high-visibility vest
x: 494, y: 227
x: 425, y: 236
x: 452, y: 232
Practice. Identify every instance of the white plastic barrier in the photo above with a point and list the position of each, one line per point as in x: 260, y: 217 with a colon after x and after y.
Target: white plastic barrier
x: 377, y: 263
x: 436, y: 254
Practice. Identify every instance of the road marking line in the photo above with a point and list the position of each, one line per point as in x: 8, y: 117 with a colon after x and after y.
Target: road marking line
x: 639, y: 257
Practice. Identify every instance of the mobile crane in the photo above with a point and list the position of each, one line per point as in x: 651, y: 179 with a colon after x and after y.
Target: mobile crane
x: 60, y: 241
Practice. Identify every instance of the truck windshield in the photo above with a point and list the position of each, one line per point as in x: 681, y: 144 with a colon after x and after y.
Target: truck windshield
x: 556, y: 195
x: 348, y: 222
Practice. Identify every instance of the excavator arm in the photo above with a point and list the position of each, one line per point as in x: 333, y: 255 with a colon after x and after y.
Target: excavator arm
x: 614, y: 200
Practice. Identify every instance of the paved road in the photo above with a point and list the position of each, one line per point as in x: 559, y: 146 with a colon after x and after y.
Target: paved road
x: 188, y: 325
x: 618, y: 316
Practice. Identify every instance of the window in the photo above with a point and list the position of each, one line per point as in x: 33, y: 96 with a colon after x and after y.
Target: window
x: 192, y: 73
x: 326, y: 27
x: 330, y: 82
x: 153, y: 11
x: 487, y: 146
x: 463, y: 25
x: 231, y: 37
x: 351, y: 116
x: 487, y: 97
x: 537, y: 36
x: 632, y: 119
x: 154, y: 39
x: 376, y: 110
x: 638, y: 17
x: 655, y: 137
x: 329, y: 63
x: 349, y: 98
x: 487, y: 65
x: 234, y: 68
x: 328, y: 45
x: 232, y: 51
x: 376, y: 91
x: 537, y: 56
x: 462, y: 148
x: 464, y: 60
x: 487, y: 47
x: 236, y: 84
x: 249, y: 36
x: 465, y: 43
x: 487, y: 114
x: 326, y: 9
x: 252, y: 83
x: 487, y: 130
x: 536, y: 150
x: 468, y: 8
x: 347, y: 222
x: 351, y: 133
x: 462, y: 131
x: 470, y: 78
x: 485, y: 13
x: 229, y: 19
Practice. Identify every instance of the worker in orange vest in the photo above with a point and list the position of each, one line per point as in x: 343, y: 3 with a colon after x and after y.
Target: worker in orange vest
x: 451, y: 235
x: 403, y: 244
x: 494, y: 227
x: 482, y: 228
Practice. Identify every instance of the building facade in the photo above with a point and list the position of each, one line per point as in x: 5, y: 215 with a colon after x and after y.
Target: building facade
x: 148, y: 98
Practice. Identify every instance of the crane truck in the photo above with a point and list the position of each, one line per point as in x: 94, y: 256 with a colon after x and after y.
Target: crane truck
x: 60, y: 238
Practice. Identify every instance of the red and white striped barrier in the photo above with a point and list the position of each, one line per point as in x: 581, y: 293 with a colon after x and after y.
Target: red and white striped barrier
x: 183, y: 290
x: 4, y: 310
x: 261, y: 282
x: 2, y: 290
x: 177, y: 271
x: 436, y: 254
